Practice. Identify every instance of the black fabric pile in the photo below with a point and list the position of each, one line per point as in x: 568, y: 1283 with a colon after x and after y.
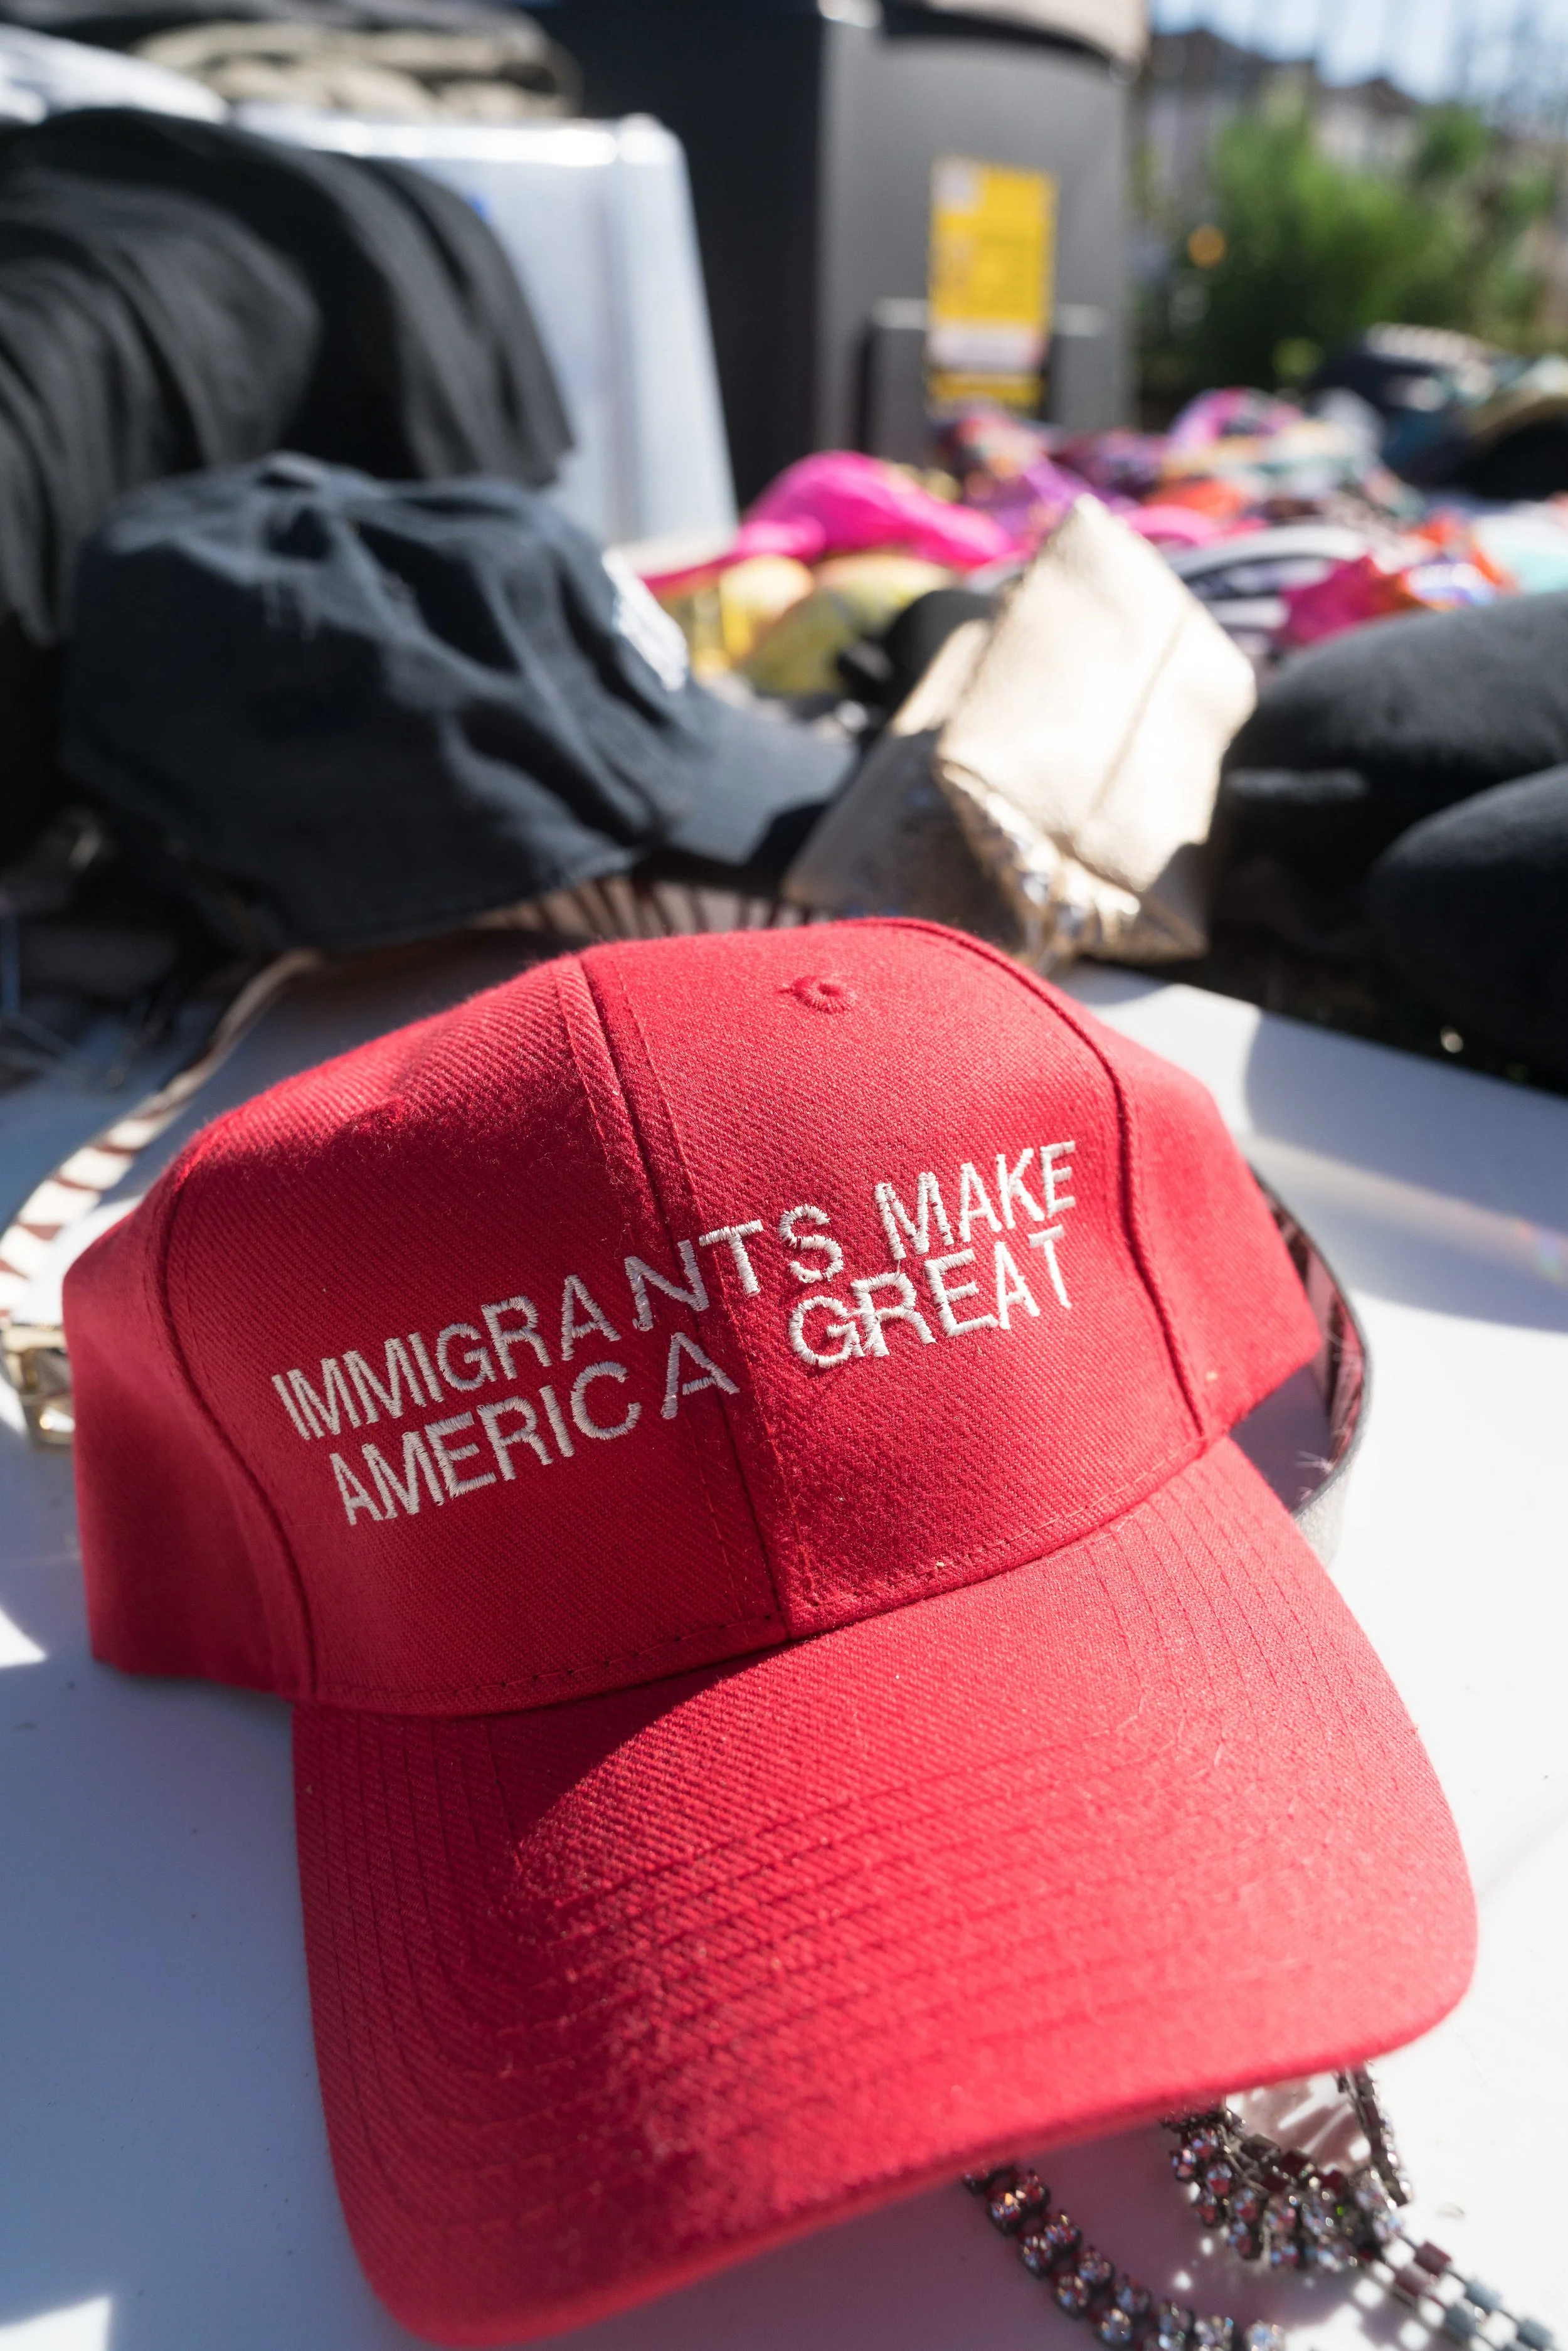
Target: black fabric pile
x: 1416, y: 772
x: 349, y: 712
x: 1356, y: 740
x: 884, y: 671
x: 1472, y: 907
x: 177, y: 294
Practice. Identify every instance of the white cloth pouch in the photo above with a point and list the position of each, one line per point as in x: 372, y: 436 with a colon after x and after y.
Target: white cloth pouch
x: 1081, y: 757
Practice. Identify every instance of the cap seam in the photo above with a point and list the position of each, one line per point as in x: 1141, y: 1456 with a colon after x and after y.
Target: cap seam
x: 1112, y: 1506
x: 589, y: 979
x: 802, y: 1552
x: 159, y: 1278
x: 1069, y: 1014
x: 347, y: 1958
x: 1088, y: 1543
x: 559, y: 1673
x: 1119, y: 1503
x: 612, y: 1157
x: 415, y: 2203
x: 886, y: 2189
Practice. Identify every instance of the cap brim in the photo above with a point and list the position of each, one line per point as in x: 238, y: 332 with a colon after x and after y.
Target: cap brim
x: 609, y: 1994
x: 758, y: 784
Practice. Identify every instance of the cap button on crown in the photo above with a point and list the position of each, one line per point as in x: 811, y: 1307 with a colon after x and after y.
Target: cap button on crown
x: 822, y: 991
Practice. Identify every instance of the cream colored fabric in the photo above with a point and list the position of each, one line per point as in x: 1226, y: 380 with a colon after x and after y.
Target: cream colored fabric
x: 1083, y: 756
x: 499, y: 73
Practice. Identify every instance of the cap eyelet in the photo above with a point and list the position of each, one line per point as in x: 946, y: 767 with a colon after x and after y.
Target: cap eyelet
x: 821, y: 992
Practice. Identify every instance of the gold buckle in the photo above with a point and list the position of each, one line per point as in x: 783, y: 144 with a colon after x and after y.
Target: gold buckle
x: 39, y: 1370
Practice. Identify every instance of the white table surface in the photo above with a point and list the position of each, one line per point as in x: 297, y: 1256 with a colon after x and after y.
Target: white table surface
x: 164, y: 2183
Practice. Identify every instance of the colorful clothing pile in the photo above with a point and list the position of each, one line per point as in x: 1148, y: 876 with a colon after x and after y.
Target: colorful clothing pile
x: 1286, y: 524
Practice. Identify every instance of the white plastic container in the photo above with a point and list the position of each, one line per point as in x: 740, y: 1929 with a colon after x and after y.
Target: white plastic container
x: 597, y: 220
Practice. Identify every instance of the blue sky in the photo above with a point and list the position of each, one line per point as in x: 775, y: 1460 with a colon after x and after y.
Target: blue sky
x: 1420, y: 44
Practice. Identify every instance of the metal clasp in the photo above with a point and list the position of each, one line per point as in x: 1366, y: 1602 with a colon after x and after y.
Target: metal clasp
x: 39, y: 1370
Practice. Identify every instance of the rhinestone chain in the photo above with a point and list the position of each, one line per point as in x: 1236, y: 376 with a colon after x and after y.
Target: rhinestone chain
x: 1274, y: 2206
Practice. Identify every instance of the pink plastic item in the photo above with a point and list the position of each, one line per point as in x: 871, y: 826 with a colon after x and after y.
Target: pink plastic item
x: 840, y: 501
x: 1345, y: 598
x: 1353, y: 594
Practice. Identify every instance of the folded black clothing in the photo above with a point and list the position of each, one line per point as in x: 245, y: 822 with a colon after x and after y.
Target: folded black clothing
x: 882, y: 671
x: 1531, y: 461
x: 1321, y: 825
x: 139, y: 335
x: 427, y: 361
x: 170, y: 303
x: 1471, y: 907
x: 915, y: 636
x: 1424, y: 711
x: 366, y: 712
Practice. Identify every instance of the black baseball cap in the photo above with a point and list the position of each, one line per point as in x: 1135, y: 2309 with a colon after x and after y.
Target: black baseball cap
x: 371, y: 711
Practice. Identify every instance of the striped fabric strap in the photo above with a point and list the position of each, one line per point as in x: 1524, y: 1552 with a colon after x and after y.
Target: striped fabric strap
x: 619, y: 906
x: 34, y: 1352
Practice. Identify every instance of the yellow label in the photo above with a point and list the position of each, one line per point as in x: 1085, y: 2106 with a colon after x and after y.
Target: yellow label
x: 993, y: 235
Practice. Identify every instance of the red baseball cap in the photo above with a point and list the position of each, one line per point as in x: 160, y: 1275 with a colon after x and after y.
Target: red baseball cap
x: 724, y: 1442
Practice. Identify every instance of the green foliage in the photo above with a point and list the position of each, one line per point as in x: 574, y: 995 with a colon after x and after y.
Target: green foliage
x: 1315, y: 251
